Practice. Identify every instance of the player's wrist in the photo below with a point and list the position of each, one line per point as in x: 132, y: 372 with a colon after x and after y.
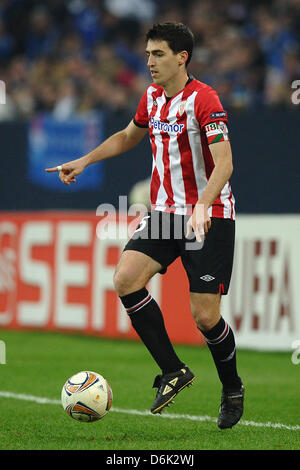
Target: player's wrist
x: 86, y: 160
x: 203, y: 204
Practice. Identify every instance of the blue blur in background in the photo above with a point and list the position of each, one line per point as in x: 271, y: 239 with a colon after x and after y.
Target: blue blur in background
x: 52, y: 142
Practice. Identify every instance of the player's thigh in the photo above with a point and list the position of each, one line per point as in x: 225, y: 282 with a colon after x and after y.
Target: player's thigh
x: 205, y: 308
x: 209, y: 265
x: 133, y: 271
x: 149, y: 251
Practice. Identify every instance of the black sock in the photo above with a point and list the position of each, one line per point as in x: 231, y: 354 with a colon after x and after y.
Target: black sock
x: 221, y: 343
x: 148, y: 322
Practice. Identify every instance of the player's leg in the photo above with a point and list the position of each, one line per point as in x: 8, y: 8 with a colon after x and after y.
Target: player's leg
x: 219, y: 336
x: 220, y: 340
x: 143, y: 258
x: 133, y: 271
x: 132, y: 274
x: 209, y: 270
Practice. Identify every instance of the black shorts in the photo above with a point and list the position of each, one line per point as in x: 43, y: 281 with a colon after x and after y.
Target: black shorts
x: 208, y: 265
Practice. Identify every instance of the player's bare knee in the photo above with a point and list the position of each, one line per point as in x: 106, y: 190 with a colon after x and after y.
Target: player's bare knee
x: 205, y: 322
x: 205, y: 314
x: 202, y: 318
x: 126, y: 282
x: 122, y: 282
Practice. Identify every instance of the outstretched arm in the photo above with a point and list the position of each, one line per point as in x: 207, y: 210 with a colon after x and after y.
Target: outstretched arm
x: 116, y: 144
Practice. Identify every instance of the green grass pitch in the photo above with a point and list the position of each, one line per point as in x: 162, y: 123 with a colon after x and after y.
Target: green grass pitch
x: 38, y: 363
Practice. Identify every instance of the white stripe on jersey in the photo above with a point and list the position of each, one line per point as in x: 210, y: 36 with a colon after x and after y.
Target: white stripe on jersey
x: 150, y: 90
x: 175, y: 161
x: 195, y: 144
x: 227, y: 201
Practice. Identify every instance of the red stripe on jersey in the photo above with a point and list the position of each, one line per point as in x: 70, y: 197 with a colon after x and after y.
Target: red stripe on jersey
x: 155, y: 179
x: 207, y: 156
x: 167, y: 183
x: 154, y: 186
x: 217, y: 208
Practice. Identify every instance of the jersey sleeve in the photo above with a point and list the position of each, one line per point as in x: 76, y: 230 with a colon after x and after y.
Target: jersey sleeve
x: 211, y: 116
x: 141, y: 118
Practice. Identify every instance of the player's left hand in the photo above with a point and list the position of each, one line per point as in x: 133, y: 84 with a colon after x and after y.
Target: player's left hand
x: 199, y: 223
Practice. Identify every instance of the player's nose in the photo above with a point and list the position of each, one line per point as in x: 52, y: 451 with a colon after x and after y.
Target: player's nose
x: 150, y: 62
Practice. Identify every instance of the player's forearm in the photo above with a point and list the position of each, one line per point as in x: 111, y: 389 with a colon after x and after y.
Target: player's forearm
x: 218, y: 178
x: 111, y: 147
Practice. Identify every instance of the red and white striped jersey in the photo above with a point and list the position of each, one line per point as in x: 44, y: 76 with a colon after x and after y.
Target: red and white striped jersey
x: 180, y: 131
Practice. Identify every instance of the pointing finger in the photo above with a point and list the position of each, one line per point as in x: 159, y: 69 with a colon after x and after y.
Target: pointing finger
x: 55, y: 168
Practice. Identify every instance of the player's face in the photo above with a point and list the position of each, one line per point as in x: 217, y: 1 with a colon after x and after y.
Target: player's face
x: 164, y: 65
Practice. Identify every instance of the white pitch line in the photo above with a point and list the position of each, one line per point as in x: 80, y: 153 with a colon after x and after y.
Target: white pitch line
x: 50, y: 401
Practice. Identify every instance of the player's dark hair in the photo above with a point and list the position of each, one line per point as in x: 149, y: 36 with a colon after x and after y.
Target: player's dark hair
x: 178, y: 36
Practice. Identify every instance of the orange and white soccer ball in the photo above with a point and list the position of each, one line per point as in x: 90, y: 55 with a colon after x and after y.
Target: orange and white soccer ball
x: 86, y: 396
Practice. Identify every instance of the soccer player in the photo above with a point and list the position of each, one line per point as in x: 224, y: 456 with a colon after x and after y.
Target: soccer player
x: 192, y: 164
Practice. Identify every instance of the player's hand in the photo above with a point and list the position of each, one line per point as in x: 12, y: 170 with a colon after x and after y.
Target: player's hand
x: 199, y: 223
x: 67, y: 172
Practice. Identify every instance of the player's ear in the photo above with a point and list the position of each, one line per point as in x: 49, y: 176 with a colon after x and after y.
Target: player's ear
x: 182, y: 57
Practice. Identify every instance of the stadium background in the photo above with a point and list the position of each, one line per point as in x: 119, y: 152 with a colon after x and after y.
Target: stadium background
x: 73, y: 73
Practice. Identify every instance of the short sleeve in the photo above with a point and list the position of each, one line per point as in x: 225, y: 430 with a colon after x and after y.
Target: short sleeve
x: 141, y: 118
x: 208, y: 108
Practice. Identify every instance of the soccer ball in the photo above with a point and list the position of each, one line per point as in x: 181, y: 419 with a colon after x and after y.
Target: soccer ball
x: 86, y: 396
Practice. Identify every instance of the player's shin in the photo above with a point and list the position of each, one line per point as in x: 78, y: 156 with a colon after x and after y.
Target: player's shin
x: 148, y: 322
x: 221, y: 343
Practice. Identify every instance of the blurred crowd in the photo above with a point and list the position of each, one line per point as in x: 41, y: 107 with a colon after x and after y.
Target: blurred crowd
x: 73, y: 56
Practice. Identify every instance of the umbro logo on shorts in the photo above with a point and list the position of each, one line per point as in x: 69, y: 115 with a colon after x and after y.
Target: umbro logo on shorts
x: 207, y: 278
